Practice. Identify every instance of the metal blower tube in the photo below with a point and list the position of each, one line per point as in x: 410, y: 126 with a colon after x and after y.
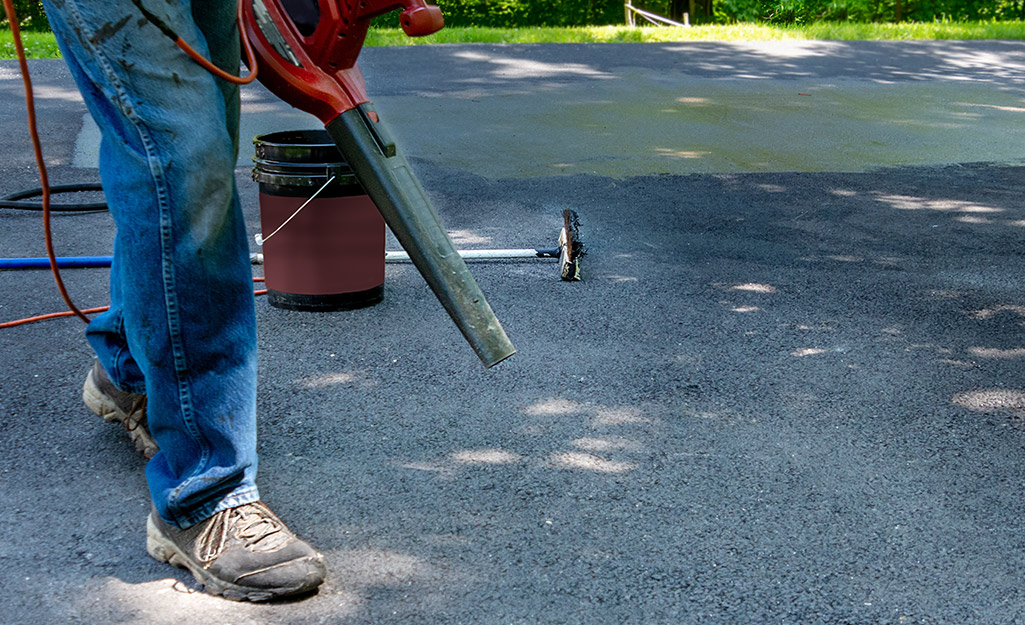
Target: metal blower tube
x: 388, y: 180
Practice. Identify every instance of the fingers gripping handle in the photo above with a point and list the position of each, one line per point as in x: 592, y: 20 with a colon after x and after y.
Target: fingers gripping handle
x: 390, y: 183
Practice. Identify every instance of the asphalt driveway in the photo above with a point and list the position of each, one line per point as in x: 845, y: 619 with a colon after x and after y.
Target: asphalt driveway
x: 789, y: 388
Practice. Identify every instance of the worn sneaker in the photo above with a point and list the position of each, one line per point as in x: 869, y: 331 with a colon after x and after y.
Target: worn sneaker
x: 243, y: 553
x: 116, y: 406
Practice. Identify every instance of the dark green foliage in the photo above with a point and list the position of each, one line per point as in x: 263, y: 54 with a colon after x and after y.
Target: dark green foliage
x: 30, y: 15
x: 519, y: 13
x: 809, y: 11
x: 526, y: 13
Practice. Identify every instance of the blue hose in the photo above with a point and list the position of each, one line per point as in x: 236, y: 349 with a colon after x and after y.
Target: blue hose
x: 62, y: 261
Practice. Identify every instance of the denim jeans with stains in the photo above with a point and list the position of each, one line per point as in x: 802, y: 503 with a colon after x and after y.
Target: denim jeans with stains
x: 181, y: 327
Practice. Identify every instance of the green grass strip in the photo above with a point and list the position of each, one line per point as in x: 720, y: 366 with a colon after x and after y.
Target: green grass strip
x: 735, y: 32
x: 41, y: 45
x: 38, y: 45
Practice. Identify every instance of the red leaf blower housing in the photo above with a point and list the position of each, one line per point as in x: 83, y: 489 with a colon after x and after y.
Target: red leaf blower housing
x: 306, y: 51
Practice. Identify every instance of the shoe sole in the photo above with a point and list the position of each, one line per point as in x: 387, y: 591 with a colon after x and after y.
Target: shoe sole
x: 100, y: 405
x: 164, y: 550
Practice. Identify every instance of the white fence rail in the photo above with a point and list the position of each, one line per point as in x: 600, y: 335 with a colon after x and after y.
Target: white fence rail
x: 632, y: 12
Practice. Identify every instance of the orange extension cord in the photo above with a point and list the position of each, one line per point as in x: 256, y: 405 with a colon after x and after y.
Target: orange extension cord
x: 88, y: 311
x: 12, y: 18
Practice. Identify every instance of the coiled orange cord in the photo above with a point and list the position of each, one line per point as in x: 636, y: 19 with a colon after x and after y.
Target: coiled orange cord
x: 37, y: 148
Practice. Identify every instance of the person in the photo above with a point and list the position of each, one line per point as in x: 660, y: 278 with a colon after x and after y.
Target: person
x: 176, y: 352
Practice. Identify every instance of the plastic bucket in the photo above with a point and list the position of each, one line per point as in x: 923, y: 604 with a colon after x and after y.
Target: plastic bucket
x: 330, y: 256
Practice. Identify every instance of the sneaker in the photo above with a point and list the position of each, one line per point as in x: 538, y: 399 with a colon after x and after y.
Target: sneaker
x: 116, y: 406
x: 243, y: 553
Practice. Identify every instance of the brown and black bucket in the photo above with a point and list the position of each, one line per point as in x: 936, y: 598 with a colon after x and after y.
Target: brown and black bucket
x: 329, y: 256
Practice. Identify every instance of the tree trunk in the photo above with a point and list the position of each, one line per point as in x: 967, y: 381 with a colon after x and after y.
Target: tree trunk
x: 677, y: 9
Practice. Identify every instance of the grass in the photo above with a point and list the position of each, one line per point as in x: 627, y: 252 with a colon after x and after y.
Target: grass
x: 736, y: 32
x: 40, y: 45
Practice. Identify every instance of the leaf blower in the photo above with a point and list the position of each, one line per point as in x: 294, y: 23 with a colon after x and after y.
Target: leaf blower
x: 306, y: 51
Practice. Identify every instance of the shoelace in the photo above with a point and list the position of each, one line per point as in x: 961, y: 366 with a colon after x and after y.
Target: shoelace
x: 137, y: 415
x: 254, y: 524
x: 261, y: 530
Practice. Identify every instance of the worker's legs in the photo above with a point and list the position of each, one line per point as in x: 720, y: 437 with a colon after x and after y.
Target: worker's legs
x: 181, y: 328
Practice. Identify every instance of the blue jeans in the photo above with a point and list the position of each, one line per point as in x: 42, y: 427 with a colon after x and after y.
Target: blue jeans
x: 182, y: 326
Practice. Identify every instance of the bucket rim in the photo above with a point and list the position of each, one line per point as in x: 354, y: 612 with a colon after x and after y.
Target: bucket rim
x: 275, y: 139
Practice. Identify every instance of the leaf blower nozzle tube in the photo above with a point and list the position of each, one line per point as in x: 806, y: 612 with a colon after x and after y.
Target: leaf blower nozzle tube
x: 307, y: 52
x: 388, y: 180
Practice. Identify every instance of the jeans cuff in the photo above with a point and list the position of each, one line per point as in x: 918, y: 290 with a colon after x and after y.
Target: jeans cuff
x: 240, y: 497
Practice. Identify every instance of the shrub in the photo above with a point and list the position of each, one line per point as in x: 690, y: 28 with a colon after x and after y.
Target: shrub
x: 809, y: 11
x: 30, y: 15
x: 520, y: 13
